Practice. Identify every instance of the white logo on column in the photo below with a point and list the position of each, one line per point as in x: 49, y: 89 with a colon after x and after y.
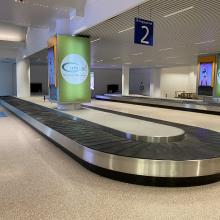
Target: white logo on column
x: 74, y: 69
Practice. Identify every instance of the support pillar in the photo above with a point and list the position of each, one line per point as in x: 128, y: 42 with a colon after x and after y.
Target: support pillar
x: 125, y: 80
x: 155, y: 83
x: 23, y: 77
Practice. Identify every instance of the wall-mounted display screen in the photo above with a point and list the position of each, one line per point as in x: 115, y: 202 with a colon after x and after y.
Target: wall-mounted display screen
x: 51, y: 66
x: 206, y: 74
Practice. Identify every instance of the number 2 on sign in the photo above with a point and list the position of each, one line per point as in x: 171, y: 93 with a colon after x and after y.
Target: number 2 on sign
x: 144, y: 39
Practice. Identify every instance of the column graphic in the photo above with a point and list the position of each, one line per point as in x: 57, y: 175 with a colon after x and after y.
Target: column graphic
x: 73, y: 69
x: 217, y: 90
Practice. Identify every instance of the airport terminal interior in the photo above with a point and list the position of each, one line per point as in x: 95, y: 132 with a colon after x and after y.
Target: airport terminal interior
x: 109, y: 109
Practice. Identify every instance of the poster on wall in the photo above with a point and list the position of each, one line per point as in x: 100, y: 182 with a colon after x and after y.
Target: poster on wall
x: 217, y: 90
x: 74, y: 69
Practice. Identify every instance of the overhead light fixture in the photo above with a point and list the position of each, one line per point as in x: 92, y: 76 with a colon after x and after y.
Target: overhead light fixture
x: 127, y: 29
x: 116, y: 58
x: 205, y: 42
x: 200, y: 54
x: 172, y: 57
x: 165, y: 49
x: 137, y: 54
x: 12, y: 33
x: 98, y: 39
x: 178, y: 12
x: 99, y: 61
x: 128, y: 63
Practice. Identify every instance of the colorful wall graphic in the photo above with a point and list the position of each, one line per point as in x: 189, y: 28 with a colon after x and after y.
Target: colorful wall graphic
x: 206, y: 77
x: 73, y: 69
x: 51, y: 66
x: 217, y: 90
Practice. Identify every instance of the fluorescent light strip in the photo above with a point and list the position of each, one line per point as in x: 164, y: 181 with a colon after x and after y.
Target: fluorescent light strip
x: 205, y: 42
x: 116, y: 58
x: 180, y: 11
x: 98, y: 61
x: 136, y: 54
x: 127, y: 29
x: 172, y: 57
x: 98, y: 39
x: 166, y: 49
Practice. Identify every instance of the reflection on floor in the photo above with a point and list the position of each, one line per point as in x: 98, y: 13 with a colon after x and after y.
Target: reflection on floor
x: 38, y: 181
x: 211, y: 122
x: 121, y: 123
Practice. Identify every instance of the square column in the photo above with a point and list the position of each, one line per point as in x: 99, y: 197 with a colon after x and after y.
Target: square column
x: 155, y: 83
x: 23, y: 77
x: 125, y: 80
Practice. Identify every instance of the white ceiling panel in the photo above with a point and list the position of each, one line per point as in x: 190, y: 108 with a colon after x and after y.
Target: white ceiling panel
x: 183, y: 30
x: 37, y: 13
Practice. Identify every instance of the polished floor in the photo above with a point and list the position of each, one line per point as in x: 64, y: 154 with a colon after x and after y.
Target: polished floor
x: 38, y: 181
x: 117, y: 122
x: 211, y: 122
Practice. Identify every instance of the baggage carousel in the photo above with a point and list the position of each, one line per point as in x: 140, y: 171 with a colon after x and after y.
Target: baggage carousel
x: 191, y: 160
x: 206, y: 107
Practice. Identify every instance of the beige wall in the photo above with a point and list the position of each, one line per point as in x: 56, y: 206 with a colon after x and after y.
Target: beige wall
x: 178, y: 79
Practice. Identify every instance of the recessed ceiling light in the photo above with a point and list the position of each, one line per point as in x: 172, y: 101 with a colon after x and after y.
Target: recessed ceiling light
x: 137, y: 54
x: 127, y: 29
x: 98, y: 39
x: 177, y: 12
x: 116, y: 58
x: 171, y: 57
x: 164, y: 49
x: 148, y: 60
x: 99, y: 61
x: 205, y: 42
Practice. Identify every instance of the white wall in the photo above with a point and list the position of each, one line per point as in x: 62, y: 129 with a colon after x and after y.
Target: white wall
x: 178, y: 79
x: 103, y: 77
x: 6, y: 79
x: 136, y: 77
x: 39, y: 74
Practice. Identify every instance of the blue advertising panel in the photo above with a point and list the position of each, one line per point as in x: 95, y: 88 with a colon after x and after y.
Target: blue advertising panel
x: 51, y: 66
x: 144, y: 32
x: 205, y: 74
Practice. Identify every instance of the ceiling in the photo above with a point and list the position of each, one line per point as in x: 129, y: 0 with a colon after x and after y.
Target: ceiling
x: 39, y: 58
x: 37, y: 13
x: 17, y: 15
x: 183, y: 29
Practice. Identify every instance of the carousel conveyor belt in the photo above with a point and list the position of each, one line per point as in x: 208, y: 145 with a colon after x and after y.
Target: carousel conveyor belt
x: 182, y: 105
x: 193, y: 160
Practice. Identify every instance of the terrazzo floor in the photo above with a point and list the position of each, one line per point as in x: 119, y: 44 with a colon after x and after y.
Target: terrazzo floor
x: 39, y: 181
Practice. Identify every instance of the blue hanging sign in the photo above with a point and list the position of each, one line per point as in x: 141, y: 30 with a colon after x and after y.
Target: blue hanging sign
x: 144, y: 32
